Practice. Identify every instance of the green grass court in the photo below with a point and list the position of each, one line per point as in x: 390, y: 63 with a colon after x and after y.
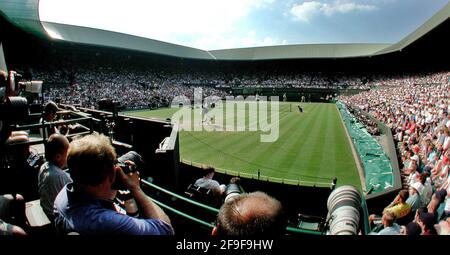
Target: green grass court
x: 312, y: 146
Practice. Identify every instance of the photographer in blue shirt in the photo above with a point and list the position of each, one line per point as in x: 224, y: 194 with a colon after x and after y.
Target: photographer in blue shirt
x: 86, y: 205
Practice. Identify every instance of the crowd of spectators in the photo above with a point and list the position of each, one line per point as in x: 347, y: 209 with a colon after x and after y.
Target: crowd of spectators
x: 156, y: 86
x: 131, y: 90
x: 417, y: 111
x: 368, y: 123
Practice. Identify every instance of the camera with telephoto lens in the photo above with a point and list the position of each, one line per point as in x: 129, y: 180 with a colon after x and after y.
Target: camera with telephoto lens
x: 233, y: 189
x: 127, y: 168
x: 13, y: 108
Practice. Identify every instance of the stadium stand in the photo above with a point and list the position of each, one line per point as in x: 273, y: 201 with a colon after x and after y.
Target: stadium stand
x: 410, y: 97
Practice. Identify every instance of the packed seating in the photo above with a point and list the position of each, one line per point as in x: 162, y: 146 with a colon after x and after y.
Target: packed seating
x: 417, y: 111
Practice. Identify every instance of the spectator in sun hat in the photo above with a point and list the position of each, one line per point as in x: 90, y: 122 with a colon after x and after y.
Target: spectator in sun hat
x: 426, y: 222
x: 415, y: 190
x: 412, y: 167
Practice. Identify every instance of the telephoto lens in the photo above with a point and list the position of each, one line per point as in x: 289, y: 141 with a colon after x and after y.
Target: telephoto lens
x: 233, y: 189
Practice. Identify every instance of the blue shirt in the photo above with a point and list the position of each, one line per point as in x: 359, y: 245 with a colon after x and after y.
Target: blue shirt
x: 51, y: 180
x: 393, y: 230
x: 90, y: 216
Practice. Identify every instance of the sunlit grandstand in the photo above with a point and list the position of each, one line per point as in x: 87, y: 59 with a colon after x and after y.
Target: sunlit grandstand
x: 351, y: 139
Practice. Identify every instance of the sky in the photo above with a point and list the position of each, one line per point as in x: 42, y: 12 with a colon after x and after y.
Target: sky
x: 227, y: 24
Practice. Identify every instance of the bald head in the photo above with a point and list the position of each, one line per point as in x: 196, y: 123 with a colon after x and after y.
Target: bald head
x: 251, y: 214
x: 56, y: 150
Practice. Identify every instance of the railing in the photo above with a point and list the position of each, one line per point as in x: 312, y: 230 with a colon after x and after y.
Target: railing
x: 290, y: 230
x: 308, y: 183
x: 55, y: 123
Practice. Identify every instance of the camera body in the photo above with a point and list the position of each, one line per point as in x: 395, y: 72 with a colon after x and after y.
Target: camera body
x: 126, y: 168
x: 232, y: 190
x: 118, y: 185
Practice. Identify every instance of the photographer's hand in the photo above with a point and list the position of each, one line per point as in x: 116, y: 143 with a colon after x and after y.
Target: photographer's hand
x: 149, y: 208
x: 130, y: 180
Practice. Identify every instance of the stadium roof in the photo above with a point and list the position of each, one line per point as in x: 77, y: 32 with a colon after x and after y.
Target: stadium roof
x: 25, y: 15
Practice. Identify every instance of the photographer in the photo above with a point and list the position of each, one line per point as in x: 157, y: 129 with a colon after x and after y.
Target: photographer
x: 21, y: 173
x: 8, y: 84
x: 86, y: 206
x: 233, y: 189
x: 208, y: 182
x: 49, y: 115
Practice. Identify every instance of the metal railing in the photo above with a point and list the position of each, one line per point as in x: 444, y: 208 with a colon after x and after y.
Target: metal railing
x: 290, y: 230
x: 308, y: 183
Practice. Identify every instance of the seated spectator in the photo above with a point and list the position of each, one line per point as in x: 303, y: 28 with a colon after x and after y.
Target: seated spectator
x: 389, y: 225
x: 412, y: 229
x: 399, y: 207
x: 52, y: 178
x: 86, y: 206
x: 233, y: 189
x: 426, y: 222
x: 443, y: 228
x: 251, y: 214
x: 49, y: 115
x: 446, y: 199
x: 21, y: 176
x: 207, y: 182
x: 412, y: 168
x: 414, y: 201
x: 434, y: 206
x: 439, y: 173
x: 12, y: 210
x: 428, y: 188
